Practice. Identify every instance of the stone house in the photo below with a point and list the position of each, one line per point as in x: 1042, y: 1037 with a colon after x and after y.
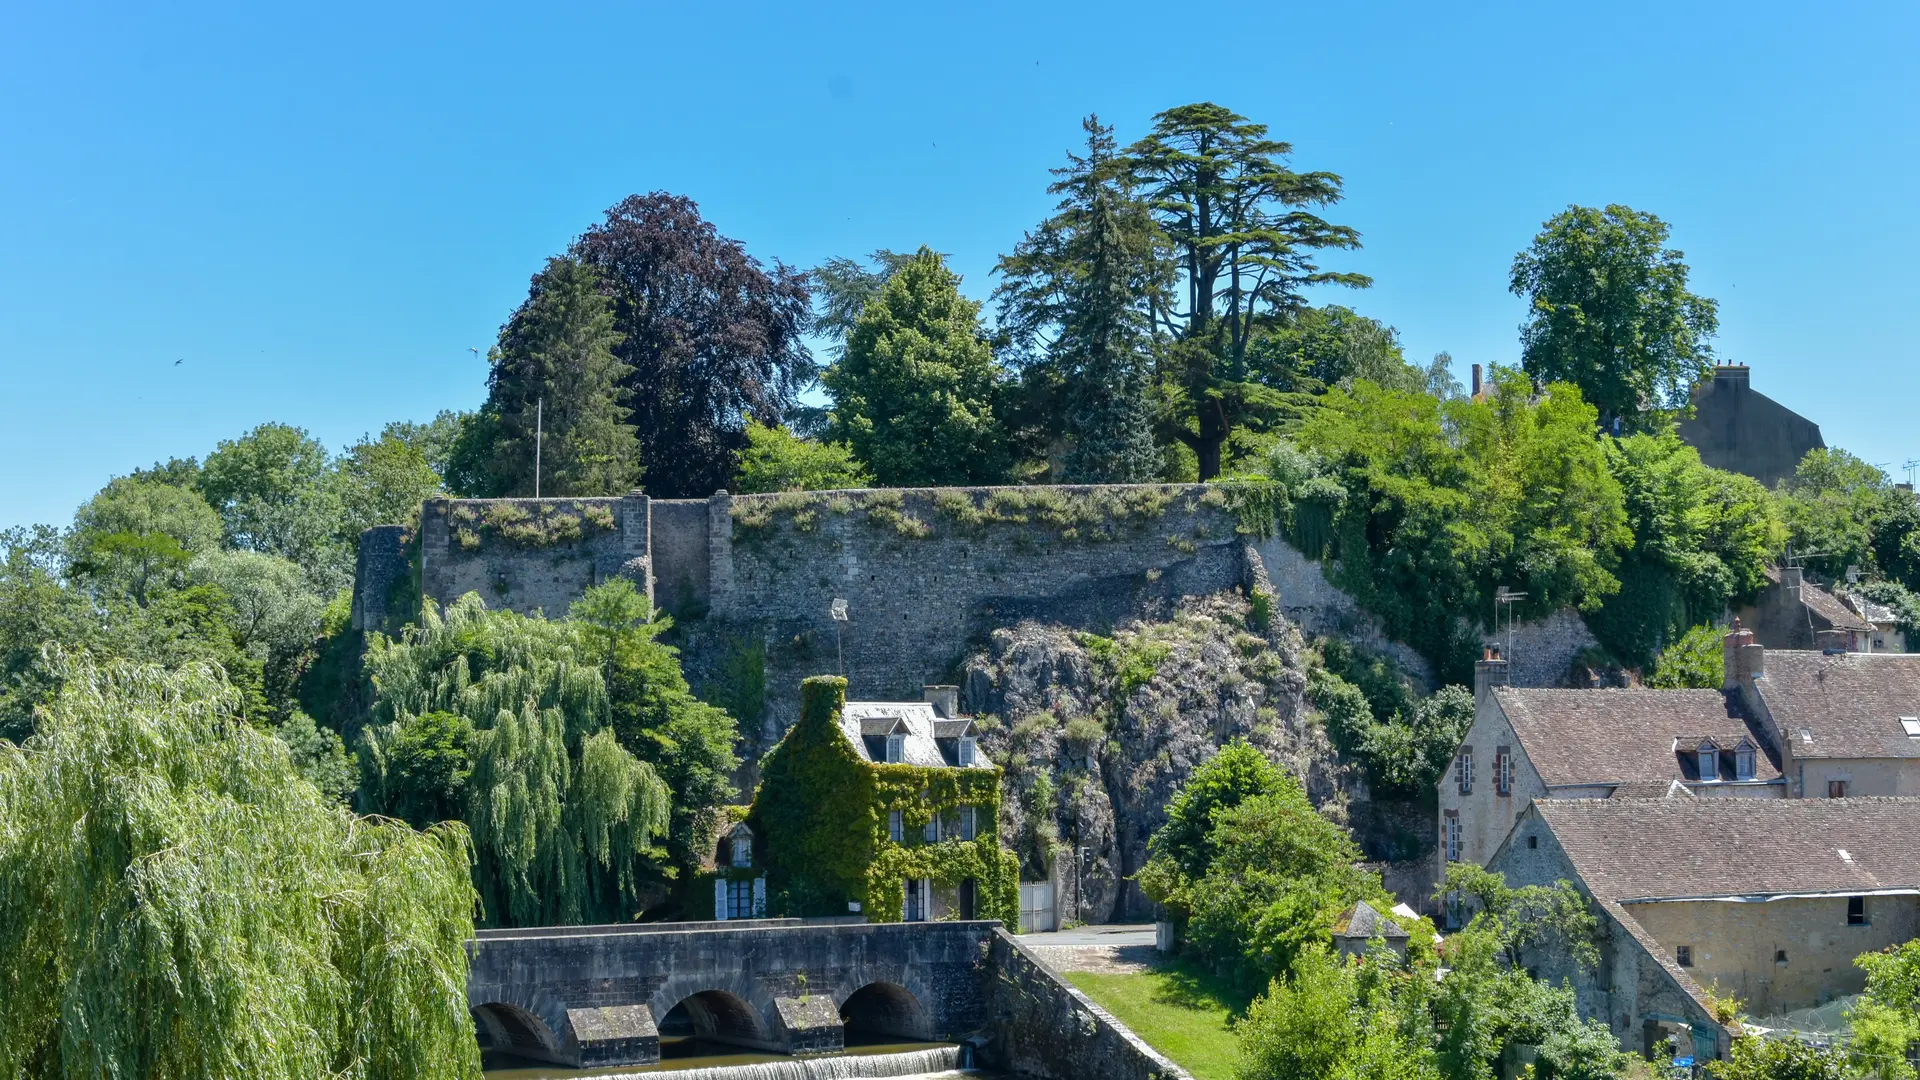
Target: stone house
x: 1528, y: 744
x: 1354, y: 931
x: 1766, y: 901
x: 1791, y: 612
x: 1741, y: 430
x: 1847, y: 724
x: 1888, y: 635
x: 884, y: 809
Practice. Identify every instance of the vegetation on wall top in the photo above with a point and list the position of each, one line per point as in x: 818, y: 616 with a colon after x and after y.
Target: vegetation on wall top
x: 527, y: 523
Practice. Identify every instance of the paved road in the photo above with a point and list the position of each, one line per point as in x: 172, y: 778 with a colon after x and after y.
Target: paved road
x: 1115, y: 934
x: 1114, y: 949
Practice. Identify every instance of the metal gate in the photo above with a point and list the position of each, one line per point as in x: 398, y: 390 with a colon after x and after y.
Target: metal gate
x: 1036, y: 907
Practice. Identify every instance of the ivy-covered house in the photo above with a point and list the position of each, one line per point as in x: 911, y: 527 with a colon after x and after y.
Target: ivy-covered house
x: 882, y: 809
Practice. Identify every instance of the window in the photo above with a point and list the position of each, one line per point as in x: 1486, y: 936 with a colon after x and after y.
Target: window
x: 896, y: 749
x: 1743, y: 761
x: 1910, y: 725
x: 742, y: 848
x: 966, y: 823
x: 1503, y: 771
x: 1779, y: 956
x: 1463, y: 770
x: 1456, y: 910
x: 1683, y: 956
x: 1856, y: 911
x: 1709, y: 755
x: 916, y: 905
x: 967, y: 744
x: 932, y: 832
x: 1453, y: 836
x: 1836, y: 789
x: 1533, y: 842
x: 740, y: 899
x: 896, y: 827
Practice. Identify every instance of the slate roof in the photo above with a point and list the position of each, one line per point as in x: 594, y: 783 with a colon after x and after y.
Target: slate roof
x: 1628, y: 850
x: 1363, y: 922
x: 1847, y: 705
x: 867, y: 724
x: 1640, y: 740
x: 1823, y: 603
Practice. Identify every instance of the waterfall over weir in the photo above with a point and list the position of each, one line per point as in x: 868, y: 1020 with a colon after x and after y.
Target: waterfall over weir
x: 942, y: 1059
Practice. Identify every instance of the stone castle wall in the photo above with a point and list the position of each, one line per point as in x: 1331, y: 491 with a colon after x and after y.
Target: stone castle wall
x: 926, y: 574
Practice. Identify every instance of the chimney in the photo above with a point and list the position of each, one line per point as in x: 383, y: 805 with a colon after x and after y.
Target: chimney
x: 1735, y: 655
x: 1488, y: 672
x: 1732, y: 376
x: 1476, y: 380
x: 944, y: 699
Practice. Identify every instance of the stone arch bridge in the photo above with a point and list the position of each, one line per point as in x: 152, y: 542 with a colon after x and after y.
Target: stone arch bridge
x: 603, y: 995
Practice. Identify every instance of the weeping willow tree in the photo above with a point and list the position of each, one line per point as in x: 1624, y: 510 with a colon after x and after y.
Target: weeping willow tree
x: 176, y: 902
x: 563, y: 818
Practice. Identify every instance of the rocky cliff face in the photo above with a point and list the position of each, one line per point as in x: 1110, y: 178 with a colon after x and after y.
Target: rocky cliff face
x: 1096, y: 733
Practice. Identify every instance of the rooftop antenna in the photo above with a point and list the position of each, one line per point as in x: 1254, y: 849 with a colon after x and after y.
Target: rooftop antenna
x: 839, y: 612
x: 1505, y: 597
x: 1910, y: 466
x: 539, y: 435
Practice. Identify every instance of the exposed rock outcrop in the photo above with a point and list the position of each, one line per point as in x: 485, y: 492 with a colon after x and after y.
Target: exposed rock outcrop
x: 1096, y: 734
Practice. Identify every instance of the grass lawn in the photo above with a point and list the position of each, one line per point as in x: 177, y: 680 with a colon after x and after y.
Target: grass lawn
x: 1179, y: 1012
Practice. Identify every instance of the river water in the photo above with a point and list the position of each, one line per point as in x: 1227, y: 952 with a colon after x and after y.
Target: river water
x: 904, y: 1061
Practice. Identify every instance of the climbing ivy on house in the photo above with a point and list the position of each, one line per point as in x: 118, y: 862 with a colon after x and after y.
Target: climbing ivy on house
x: 822, y: 813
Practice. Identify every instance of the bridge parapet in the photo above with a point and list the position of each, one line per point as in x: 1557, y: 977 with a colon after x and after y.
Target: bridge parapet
x: 591, y: 996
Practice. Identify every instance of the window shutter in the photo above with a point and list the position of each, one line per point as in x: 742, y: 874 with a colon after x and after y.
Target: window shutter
x: 720, y: 899
x: 760, y: 897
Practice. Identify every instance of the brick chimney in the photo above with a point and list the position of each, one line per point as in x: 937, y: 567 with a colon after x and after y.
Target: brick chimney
x: 1744, y: 660
x: 944, y: 699
x: 1488, y: 672
x: 1732, y: 376
x: 1476, y: 380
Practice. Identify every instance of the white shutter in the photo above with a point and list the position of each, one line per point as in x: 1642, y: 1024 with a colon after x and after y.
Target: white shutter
x: 720, y: 899
x: 760, y: 898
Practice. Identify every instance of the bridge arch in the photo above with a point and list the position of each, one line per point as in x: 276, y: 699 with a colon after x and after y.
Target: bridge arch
x: 688, y: 1006
x: 884, y: 1011
x: 505, y: 1028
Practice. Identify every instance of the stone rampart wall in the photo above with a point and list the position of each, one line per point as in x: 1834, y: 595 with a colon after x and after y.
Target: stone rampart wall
x: 1038, y: 1025
x: 531, y: 555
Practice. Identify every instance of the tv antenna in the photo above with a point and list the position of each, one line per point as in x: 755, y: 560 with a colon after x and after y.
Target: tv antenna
x: 1910, y: 466
x: 1505, y: 597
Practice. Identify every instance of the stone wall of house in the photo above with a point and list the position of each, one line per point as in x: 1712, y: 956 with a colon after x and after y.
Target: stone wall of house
x: 1739, y: 946
x: 1037, y: 1025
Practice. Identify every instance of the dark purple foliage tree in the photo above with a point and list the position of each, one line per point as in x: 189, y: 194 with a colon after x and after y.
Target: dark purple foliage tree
x: 709, y: 335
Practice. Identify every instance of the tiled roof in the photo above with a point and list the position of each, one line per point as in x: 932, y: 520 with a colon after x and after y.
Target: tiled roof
x: 1640, y: 739
x: 1847, y: 705
x: 1628, y: 850
x: 867, y: 723
x: 1361, y: 921
x: 1827, y: 606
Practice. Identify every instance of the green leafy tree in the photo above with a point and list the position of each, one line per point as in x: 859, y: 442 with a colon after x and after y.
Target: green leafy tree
x: 557, y: 363
x: 778, y: 460
x: 1182, y: 849
x: 275, y: 616
x: 37, y: 609
x: 1835, y: 505
x: 383, y: 481
x: 175, y: 902
x: 320, y: 756
x: 1244, y: 233
x: 563, y: 819
x: 1361, y: 1022
x: 137, y: 536
x: 1441, y: 503
x: 1608, y: 310
x: 1702, y: 541
x: 655, y: 715
x: 1695, y: 662
x: 272, y: 488
x: 1081, y: 289
x: 1319, y: 347
x: 914, y: 394
x: 419, y: 773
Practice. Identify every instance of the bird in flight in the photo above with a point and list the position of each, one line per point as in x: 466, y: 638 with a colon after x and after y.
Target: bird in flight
x: 180, y: 361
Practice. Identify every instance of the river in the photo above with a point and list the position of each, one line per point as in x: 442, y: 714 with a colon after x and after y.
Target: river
x: 903, y: 1061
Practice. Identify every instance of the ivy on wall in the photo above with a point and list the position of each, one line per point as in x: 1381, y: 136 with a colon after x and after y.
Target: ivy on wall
x: 823, y: 813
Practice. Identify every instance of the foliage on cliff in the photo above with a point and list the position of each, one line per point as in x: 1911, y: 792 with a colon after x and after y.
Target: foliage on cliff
x: 1097, y: 732
x: 175, y: 901
x: 823, y: 813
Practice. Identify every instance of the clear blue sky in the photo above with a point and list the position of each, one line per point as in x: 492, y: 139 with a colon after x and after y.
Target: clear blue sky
x: 321, y: 208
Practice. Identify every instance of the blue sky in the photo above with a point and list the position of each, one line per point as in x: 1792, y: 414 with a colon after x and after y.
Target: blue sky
x: 321, y: 208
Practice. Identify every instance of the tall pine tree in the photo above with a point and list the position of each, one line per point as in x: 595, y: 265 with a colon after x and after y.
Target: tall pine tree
x: 914, y: 394
x: 1079, y: 289
x: 554, y: 369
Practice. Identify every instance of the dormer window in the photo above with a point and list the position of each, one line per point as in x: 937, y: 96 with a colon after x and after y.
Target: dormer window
x: 967, y: 747
x: 1743, y: 761
x: 1709, y: 756
x: 896, y: 749
x: 742, y: 846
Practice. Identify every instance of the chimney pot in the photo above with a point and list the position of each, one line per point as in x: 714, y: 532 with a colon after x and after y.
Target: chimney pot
x: 944, y: 699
